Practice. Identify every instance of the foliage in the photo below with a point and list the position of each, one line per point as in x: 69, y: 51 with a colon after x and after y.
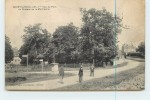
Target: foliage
x: 36, y: 41
x: 65, y: 40
x: 95, y: 40
x: 141, y: 48
x: 99, y: 34
x: 8, y: 50
x: 15, y: 50
x: 136, y: 55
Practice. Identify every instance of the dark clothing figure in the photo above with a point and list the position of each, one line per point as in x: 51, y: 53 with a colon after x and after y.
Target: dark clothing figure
x: 92, y: 71
x: 125, y: 55
x: 61, y: 73
x: 80, y: 74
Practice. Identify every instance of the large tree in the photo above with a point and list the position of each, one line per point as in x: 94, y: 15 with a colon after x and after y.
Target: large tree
x: 65, y: 40
x: 8, y: 50
x: 36, y: 41
x: 99, y: 34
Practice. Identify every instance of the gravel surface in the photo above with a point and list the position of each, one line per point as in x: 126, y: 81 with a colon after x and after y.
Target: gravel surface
x: 130, y: 80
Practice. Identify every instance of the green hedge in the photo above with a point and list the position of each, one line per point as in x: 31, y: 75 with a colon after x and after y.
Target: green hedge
x: 136, y: 54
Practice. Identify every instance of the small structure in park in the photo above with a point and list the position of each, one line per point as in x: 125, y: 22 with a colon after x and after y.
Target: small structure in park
x: 41, y: 59
x: 55, y: 67
x: 16, y: 60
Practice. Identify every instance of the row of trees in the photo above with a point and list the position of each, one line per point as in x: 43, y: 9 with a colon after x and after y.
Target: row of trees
x: 141, y: 48
x: 95, y: 39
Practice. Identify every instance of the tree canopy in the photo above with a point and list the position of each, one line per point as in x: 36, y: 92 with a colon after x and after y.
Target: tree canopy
x: 95, y: 40
x: 9, y: 55
x: 141, y: 48
x: 65, y: 40
x: 99, y: 34
x: 36, y: 41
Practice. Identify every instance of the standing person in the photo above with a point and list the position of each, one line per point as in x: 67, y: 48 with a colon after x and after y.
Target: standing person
x: 92, y: 70
x: 80, y: 74
x: 125, y: 55
x: 61, y: 73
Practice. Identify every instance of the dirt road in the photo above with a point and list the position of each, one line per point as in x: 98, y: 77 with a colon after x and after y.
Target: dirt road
x: 53, y: 84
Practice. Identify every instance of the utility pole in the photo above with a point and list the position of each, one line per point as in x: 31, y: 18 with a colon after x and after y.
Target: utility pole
x: 93, y: 51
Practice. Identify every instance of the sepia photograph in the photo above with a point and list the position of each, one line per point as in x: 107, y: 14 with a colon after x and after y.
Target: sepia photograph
x: 74, y: 45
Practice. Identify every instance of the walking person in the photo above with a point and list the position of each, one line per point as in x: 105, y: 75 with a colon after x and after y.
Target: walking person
x: 80, y: 74
x: 92, y: 70
x: 61, y: 73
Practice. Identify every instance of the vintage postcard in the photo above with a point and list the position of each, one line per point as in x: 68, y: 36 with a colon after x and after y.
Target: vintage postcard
x: 75, y: 45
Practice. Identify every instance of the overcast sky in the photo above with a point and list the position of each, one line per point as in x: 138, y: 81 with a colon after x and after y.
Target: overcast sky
x: 67, y: 11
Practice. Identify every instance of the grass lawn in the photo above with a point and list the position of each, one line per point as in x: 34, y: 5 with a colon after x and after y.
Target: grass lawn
x: 20, y: 77
x: 127, y: 80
